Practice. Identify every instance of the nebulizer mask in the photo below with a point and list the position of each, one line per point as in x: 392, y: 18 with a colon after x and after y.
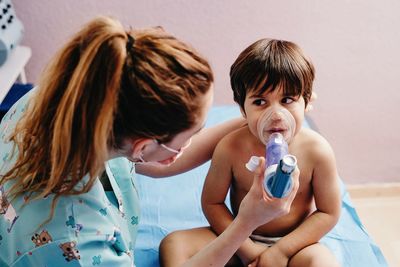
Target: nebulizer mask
x: 276, y: 119
x: 275, y: 129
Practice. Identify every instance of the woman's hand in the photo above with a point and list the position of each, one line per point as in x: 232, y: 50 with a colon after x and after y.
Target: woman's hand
x: 256, y: 250
x: 257, y: 207
x: 273, y: 257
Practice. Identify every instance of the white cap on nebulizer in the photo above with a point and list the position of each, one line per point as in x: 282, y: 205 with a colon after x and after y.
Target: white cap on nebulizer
x: 268, y: 118
x: 289, y: 163
x: 253, y: 163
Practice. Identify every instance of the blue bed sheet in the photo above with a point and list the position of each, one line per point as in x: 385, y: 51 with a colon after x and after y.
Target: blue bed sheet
x: 174, y: 204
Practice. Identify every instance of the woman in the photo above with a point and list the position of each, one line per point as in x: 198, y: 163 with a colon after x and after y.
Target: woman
x: 108, y: 100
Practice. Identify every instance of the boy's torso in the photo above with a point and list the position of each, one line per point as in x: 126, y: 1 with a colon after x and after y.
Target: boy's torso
x: 242, y: 179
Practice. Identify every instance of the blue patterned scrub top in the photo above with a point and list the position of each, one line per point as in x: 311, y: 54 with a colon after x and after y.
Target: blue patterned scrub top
x: 97, y: 228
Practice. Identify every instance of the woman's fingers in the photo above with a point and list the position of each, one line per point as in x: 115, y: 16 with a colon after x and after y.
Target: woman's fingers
x: 259, y: 176
x: 295, y: 186
x: 295, y: 182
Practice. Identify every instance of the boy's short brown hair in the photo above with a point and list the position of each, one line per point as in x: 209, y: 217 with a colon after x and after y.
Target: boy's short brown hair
x: 268, y: 64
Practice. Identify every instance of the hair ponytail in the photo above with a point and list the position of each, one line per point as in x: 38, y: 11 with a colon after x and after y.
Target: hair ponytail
x: 104, y: 87
x: 65, y: 132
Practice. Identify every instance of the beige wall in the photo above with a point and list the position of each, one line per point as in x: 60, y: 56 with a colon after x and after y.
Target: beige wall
x: 354, y: 45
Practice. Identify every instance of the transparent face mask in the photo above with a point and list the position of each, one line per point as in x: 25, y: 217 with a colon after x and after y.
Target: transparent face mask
x: 275, y: 120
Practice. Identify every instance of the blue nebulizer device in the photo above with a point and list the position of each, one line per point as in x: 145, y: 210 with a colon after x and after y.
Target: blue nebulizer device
x: 279, y: 167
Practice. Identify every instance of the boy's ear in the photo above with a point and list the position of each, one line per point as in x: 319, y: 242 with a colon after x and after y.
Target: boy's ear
x: 313, y: 97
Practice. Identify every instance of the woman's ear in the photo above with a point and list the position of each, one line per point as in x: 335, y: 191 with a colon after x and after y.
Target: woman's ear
x: 137, y: 146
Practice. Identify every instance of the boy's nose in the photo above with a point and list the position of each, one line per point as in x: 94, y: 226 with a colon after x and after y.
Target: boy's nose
x: 277, y: 115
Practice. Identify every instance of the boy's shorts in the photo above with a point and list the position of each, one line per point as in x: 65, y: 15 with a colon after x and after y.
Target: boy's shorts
x: 265, y: 240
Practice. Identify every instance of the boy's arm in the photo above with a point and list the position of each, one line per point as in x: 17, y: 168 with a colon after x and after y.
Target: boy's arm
x: 216, y: 186
x: 325, y: 183
x: 200, y: 151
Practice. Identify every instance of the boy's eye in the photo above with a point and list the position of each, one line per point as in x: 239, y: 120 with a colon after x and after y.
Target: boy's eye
x: 287, y: 100
x: 259, y: 102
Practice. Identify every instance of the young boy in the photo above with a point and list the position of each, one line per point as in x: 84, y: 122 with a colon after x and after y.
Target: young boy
x: 270, y: 77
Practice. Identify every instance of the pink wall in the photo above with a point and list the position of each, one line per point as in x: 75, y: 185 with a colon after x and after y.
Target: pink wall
x: 354, y: 46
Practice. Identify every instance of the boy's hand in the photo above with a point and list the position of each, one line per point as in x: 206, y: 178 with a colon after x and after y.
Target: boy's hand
x: 257, y: 207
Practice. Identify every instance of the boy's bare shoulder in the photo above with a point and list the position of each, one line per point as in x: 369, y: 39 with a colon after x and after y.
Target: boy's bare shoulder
x: 234, y: 140
x: 317, y: 146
